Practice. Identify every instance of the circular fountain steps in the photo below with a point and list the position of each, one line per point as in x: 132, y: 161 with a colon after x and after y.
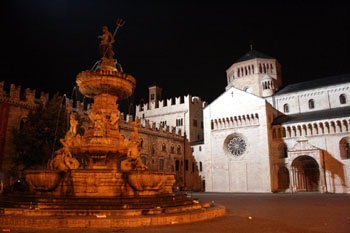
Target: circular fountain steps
x: 80, y: 204
x: 45, y: 212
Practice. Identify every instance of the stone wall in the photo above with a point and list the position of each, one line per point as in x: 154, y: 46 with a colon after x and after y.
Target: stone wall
x: 324, y: 98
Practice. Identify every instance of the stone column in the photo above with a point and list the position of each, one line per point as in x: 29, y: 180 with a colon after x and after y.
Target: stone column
x: 322, y: 180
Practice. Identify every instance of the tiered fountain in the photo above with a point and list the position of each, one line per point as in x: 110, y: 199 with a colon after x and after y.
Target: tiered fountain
x: 114, y: 182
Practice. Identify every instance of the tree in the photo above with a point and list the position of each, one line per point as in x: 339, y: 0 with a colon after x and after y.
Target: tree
x: 38, y: 139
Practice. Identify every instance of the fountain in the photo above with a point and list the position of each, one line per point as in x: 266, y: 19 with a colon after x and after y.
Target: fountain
x: 114, y: 182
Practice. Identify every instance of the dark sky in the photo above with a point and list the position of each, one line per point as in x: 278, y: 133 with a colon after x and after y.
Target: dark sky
x: 183, y: 47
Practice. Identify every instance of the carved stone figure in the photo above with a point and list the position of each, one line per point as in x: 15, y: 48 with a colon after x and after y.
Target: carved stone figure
x: 73, y: 125
x: 114, y: 119
x: 64, y: 159
x: 135, y: 137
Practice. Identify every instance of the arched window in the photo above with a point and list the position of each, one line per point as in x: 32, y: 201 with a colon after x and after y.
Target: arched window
x: 21, y: 124
x: 178, y: 149
x: 286, y: 108
x: 342, y: 99
x: 345, y: 148
x: 141, y: 142
x: 163, y: 147
x: 311, y: 104
x: 172, y: 149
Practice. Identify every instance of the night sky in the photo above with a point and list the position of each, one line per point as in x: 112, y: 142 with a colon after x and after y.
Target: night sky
x: 183, y: 47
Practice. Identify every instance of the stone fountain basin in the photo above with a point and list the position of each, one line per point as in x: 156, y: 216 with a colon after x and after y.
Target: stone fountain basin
x: 43, y: 180
x: 96, y: 82
x: 149, y: 180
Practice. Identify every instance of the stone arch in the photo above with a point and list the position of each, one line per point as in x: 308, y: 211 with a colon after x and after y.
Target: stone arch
x: 305, y: 174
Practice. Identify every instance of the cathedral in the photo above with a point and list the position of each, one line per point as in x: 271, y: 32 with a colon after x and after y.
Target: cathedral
x: 260, y: 137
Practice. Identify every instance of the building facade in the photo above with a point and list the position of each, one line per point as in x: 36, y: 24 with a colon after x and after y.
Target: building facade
x: 162, y: 148
x: 185, y: 113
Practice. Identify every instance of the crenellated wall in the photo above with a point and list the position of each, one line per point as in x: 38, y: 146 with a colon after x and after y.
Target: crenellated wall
x: 185, y: 113
x: 26, y: 100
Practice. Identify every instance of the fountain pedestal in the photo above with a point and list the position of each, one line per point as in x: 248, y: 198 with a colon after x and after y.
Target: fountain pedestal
x: 101, y: 188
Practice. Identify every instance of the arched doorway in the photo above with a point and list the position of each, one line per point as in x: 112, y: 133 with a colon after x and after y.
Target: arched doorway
x: 305, y: 174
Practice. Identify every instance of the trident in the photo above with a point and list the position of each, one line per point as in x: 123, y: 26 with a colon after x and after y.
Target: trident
x: 120, y: 23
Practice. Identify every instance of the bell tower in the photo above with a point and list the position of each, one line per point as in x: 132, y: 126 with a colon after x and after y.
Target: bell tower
x: 256, y: 73
x: 155, y: 94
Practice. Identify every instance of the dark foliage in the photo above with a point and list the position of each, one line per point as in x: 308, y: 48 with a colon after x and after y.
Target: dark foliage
x: 36, y: 142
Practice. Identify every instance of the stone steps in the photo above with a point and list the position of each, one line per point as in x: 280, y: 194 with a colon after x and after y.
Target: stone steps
x: 32, y: 202
x: 101, y: 220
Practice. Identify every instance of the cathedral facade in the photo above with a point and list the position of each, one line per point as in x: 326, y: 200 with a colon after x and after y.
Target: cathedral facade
x: 261, y: 138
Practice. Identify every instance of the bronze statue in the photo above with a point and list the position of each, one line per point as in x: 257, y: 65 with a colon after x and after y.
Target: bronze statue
x: 107, y: 39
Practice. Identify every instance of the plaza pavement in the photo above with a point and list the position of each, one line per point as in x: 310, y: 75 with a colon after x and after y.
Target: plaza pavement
x: 260, y: 213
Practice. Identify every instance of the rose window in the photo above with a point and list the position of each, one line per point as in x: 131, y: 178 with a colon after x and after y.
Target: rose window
x: 237, y: 146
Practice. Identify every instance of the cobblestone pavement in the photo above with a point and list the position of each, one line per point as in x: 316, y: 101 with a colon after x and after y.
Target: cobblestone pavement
x: 302, y: 212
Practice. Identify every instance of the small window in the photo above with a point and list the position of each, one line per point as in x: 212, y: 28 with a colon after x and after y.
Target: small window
x: 161, y: 164
x: 177, y: 165
x: 192, y: 149
x: 342, y: 99
x: 194, y: 123
x: 152, y: 96
x: 179, y: 122
x: 21, y: 124
x: 286, y: 108
x: 186, y: 165
x: 192, y: 166
x: 311, y: 104
x: 200, y: 148
x: 172, y: 149
x: 141, y: 142
x: 163, y: 147
x: 200, y: 166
